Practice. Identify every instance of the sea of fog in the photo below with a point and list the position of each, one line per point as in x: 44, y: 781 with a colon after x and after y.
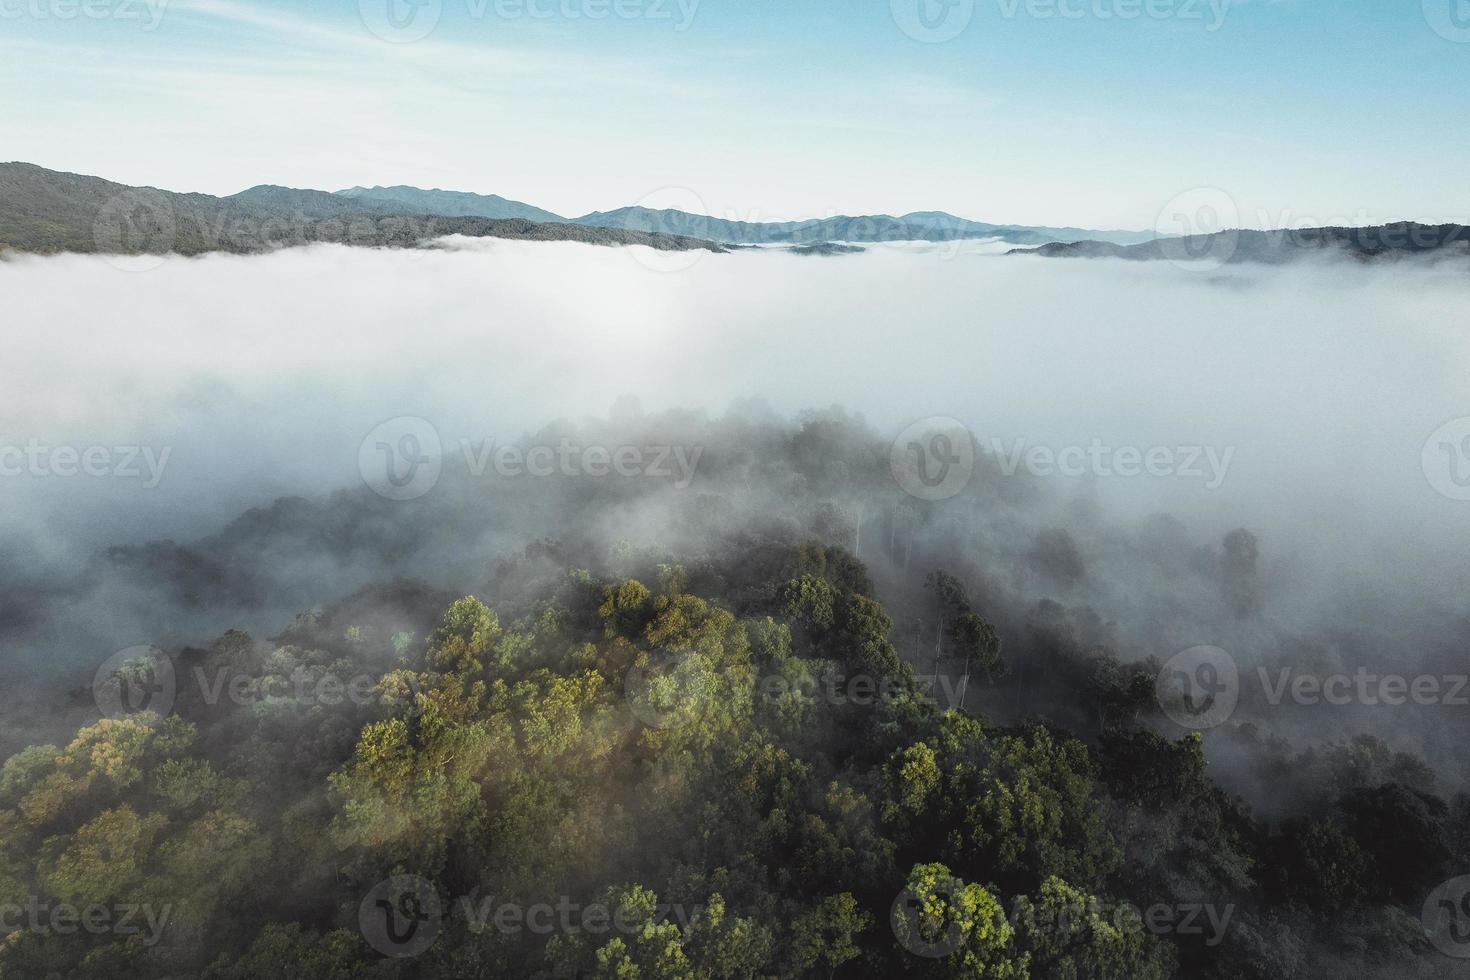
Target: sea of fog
x: 1315, y: 405
x: 1307, y: 393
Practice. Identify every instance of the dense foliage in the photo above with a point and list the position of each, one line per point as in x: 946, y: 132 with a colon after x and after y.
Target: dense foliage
x: 722, y: 768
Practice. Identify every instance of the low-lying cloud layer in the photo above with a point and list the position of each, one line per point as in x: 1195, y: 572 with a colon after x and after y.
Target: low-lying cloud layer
x: 1300, y: 403
x: 260, y: 376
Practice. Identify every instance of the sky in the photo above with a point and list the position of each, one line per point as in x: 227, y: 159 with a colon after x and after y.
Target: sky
x: 1092, y: 113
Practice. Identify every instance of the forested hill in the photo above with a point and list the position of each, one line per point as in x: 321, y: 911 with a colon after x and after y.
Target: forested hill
x: 47, y: 212
x: 454, y: 204
x: 721, y: 770
x: 697, y: 736
x: 1392, y: 241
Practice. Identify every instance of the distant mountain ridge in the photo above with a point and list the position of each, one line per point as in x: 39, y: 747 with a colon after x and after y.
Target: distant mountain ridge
x: 47, y: 211
x: 1396, y: 240
x: 929, y: 226
x: 44, y: 210
x: 458, y: 204
x: 926, y: 226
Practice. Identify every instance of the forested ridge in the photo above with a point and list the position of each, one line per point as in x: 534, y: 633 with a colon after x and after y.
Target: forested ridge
x: 733, y: 759
x: 1396, y: 241
x: 47, y: 212
x: 736, y: 759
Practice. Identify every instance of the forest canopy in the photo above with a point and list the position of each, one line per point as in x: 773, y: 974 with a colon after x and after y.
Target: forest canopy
x: 639, y: 777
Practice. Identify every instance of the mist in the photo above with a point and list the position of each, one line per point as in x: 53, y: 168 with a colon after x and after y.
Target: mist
x: 263, y: 374
x: 240, y: 380
x: 325, y: 446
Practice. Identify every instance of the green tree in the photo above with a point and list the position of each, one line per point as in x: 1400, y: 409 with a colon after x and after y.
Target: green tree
x: 287, y: 952
x: 458, y: 646
x: 949, y: 928
x: 825, y: 937
x: 1069, y: 937
x: 104, y: 860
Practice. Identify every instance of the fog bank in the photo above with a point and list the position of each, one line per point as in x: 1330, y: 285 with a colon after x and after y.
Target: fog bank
x: 262, y: 375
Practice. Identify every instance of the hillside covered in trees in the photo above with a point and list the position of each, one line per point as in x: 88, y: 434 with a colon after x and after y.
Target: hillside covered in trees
x: 48, y: 212
x: 1397, y: 241
x: 791, y: 732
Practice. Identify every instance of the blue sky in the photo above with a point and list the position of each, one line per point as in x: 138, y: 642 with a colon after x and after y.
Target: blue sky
x: 1099, y: 113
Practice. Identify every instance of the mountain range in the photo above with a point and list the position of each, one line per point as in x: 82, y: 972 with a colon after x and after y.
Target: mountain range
x: 46, y: 211
x: 915, y: 226
x: 1397, y: 240
x: 458, y: 204
x: 927, y: 226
